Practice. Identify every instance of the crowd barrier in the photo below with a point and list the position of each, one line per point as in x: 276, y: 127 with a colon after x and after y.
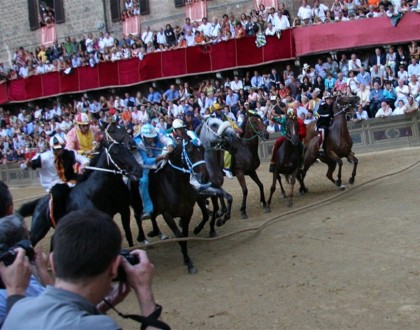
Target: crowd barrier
x: 370, y: 135
x: 232, y: 54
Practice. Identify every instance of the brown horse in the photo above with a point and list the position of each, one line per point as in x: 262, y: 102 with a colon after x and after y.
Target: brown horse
x: 337, y: 145
x: 287, y: 162
x: 246, y: 159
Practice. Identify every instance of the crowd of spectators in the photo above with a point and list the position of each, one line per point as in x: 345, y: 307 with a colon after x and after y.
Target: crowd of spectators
x: 386, y: 81
x: 93, y: 49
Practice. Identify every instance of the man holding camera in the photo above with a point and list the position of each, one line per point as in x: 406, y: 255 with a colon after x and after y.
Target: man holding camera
x: 84, y: 270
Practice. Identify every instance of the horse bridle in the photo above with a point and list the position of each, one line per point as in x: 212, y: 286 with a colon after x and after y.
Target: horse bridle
x: 187, y: 161
x: 343, y: 108
x: 216, y: 145
x: 257, y: 132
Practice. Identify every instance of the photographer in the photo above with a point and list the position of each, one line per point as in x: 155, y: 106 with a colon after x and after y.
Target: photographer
x: 17, y: 277
x: 84, y: 270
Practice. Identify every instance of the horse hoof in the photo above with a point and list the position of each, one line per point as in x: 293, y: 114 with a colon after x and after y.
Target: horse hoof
x: 338, y: 183
x: 289, y: 204
x: 192, y: 270
x: 244, y: 216
x: 342, y: 187
x: 146, y: 242
x: 153, y: 233
x: 220, y: 223
x: 303, y: 190
x: 351, y: 181
x: 163, y: 237
x: 267, y: 210
x: 197, y: 230
x: 213, y: 234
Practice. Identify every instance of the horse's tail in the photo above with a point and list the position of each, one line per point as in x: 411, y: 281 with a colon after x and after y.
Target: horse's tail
x: 28, y: 209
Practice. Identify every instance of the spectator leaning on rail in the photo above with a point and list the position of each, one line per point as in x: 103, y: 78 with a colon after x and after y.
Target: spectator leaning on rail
x: 84, y: 270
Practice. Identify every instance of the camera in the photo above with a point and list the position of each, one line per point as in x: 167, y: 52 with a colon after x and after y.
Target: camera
x: 132, y: 259
x: 9, y: 256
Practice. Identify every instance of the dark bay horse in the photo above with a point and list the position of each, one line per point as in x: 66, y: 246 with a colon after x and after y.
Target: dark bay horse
x: 246, y: 159
x: 102, y: 188
x: 337, y: 145
x: 172, y: 194
x: 287, y: 161
x: 215, y: 135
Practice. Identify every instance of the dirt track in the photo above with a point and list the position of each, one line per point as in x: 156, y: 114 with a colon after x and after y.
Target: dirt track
x: 351, y: 262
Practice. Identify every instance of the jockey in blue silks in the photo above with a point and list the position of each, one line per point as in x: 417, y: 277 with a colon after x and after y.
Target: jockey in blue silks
x: 153, y: 148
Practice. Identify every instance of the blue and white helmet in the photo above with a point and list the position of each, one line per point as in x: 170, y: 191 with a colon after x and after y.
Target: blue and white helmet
x: 148, y: 131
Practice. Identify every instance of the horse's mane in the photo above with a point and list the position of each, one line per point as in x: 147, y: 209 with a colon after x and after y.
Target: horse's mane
x: 245, y: 122
x: 205, y: 131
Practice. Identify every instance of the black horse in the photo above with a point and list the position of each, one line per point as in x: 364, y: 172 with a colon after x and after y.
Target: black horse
x: 101, y: 187
x: 287, y: 161
x: 172, y: 194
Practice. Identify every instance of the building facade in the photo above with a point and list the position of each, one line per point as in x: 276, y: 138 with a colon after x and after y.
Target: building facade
x: 20, y: 19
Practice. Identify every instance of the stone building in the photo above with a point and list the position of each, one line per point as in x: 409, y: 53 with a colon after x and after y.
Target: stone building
x: 20, y: 19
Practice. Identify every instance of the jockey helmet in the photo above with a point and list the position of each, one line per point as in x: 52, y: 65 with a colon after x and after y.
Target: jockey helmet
x: 290, y: 112
x: 215, y: 107
x: 148, y: 131
x: 178, y: 123
x: 82, y: 119
x: 56, y: 142
x: 327, y: 95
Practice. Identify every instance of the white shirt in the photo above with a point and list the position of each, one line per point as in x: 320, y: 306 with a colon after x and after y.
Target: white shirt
x: 160, y: 38
x: 304, y: 12
x: 205, y: 29
x: 236, y: 85
x: 147, y: 37
x: 108, y: 42
x: 48, y: 173
x: 281, y: 23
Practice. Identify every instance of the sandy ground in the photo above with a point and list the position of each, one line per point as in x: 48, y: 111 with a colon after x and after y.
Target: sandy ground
x: 335, y: 260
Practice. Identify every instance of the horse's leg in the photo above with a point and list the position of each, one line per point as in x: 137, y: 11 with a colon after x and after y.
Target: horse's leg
x: 333, y: 156
x: 125, y: 219
x: 226, y: 210
x: 185, y: 223
x: 283, y: 193
x: 355, y: 161
x: 292, y: 182
x: 201, y: 202
x: 242, y: 182
x: 41, y: 222
x: 156, y: 230
x: 137, y: 206
x: 254, y: 176
x: 272, y: 190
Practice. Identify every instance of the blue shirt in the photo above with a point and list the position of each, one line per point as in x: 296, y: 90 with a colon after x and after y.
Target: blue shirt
x: 363, y: 79
x: 171, y: 95
x: 232, y: 100
x: 154, y: 97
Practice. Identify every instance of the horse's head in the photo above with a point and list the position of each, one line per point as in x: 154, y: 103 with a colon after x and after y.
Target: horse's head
x: 345, y: 103
x: 188, y: 157
x: 216, y: 134
x: 292, y: 130
x: 255, y: 127
x: 118, y: 147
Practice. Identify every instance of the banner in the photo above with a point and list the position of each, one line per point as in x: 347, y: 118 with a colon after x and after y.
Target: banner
x: 48, y: 35
x: 196, y: 9
x: 131, y: 25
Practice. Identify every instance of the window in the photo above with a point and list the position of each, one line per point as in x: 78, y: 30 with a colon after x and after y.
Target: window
x: 120, y: 7
x: 44, y: 12
x: 179, y: 3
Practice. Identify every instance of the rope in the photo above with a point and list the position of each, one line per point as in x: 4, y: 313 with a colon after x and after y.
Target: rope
x: 280, y: 216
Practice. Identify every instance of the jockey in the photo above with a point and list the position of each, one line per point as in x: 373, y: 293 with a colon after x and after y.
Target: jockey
x: 177, y: 134
x: 326, y: 114
x: 57, y: 173
x: 82, y: 137
x: 291, y: 112
x: 153, y: 148
x: 216, y: 110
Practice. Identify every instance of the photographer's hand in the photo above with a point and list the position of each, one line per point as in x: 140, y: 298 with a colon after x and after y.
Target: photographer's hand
x: 114, y: 297
x: 16, y: 276
x: 41, y: 268
x: 140, y: 277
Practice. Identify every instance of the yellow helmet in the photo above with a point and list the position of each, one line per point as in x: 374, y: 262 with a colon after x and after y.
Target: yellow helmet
x: 215, y: 107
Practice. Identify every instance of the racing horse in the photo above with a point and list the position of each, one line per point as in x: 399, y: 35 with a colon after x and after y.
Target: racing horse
x: 287, y: 161
x: 337, y: 145
x: 173, y: 195
x: 101, y: 186
x: 215, y: 135
x: 246, y: 159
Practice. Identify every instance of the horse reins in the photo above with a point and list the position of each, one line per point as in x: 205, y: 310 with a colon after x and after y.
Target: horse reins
x: 257, y: 132
x: 187, y: 160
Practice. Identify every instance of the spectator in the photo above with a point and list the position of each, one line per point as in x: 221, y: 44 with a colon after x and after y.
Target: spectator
x: 411, y: 106
x: 79, y: 273
x: 6, y: 201
x: 319, y: 10
x: 354, y: 64
x: 384, y: 111
x: 375, y: 99
x: 400, y: 108
x: 360, y: 114
x: 305, y: 12
x: 414, y: 68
